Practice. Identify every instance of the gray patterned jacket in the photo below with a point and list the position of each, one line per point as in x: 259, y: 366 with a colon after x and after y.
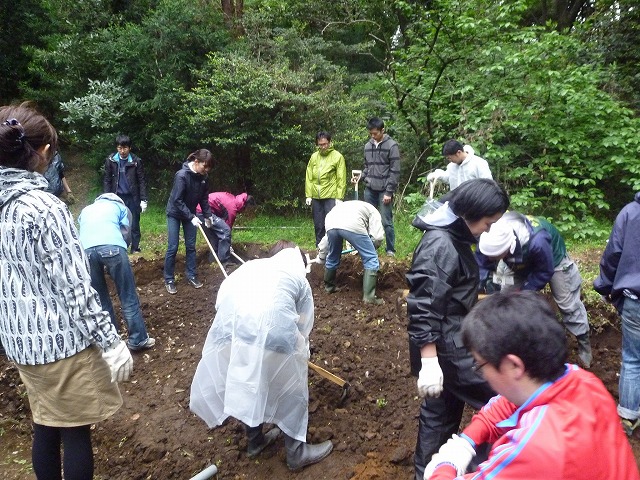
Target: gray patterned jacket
x: 48, y: 310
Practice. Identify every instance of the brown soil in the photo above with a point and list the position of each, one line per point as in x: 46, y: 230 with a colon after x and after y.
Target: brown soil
x: 155, y: 436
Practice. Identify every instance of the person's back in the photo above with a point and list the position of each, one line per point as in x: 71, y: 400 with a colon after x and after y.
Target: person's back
x: 105, y: 222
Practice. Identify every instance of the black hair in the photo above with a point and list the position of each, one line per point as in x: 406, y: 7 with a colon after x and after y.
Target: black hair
x: 123, y: 140
x: 250, y: 201
x: 520, y: 323
x: 202, y: 156
x: 451, y: 147
x: 375, y: 123
x: 23, y: 131
x: 477, y: 198
x: 323, y: 134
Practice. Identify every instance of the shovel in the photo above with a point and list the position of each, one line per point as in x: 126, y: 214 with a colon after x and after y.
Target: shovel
x: 355, y: 178
x: 333, y: 378
x: 213, y: 251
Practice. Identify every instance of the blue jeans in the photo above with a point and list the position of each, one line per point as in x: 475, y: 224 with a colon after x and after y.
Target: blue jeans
x: 362, y: 243
x: 374, y: 197
x: 173, y: 233
x: 219, y: 236
x: 629, y: 385
x: 114, y: 260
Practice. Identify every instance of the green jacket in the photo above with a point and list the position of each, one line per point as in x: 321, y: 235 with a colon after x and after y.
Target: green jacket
x: 326, y: 175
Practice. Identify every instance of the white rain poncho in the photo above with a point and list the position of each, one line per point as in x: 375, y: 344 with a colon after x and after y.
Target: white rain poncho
x: 254, y: 360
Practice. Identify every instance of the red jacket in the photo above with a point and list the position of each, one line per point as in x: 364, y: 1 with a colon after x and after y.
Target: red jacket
x: 567, y: 430
x: 226, y: 205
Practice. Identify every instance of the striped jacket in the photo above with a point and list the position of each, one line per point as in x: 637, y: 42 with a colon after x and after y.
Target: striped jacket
x: 382, y: 165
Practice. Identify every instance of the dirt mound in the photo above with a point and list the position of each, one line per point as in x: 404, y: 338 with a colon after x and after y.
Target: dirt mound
x: 155, y: 436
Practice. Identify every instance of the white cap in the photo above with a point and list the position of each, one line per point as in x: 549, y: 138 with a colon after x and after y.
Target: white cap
x: 498, y: 240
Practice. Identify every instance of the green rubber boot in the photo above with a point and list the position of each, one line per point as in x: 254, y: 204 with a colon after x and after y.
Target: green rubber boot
x: 369, y: 281
x: 330, y: 280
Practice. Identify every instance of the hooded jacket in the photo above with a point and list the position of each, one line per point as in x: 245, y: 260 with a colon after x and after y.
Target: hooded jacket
x: 443, y: 281
x: 568, y: 429
x: 382, y: 165
x: 134, y: 172
x: 619, y: 265
x: 48, y: 310
x: 225, y: 205
x: 189, y: 190
x: 326, y: 175
x: 471, y: 167
x: 107, y: 221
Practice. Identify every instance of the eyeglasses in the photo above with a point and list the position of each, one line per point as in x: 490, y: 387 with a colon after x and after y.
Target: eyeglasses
x: 477, y: 367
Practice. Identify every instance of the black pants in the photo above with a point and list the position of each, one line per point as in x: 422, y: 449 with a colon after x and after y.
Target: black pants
x: 134, y: 206
x: 320, y: 208
x: 78, y: 455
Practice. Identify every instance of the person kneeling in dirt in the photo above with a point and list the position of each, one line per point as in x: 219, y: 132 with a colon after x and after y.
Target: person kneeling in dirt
x: 254, y: 360
x: 105, y: 233
x: 529, y: 252
x: 551, y: 419
x: 360, y: 224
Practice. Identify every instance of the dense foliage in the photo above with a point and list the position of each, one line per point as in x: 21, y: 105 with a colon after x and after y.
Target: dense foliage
x: 547, y: 92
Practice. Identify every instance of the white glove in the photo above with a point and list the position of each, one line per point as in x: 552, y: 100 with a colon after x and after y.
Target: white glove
x: 435, y: 175
x: 338, y: 201
x: 120, y: 362
x: 430, y: 378
x: 196, y: 222
x: 457, y: 452
x: 208, y: 222
x: 308, y: 201
x: 143, y: 206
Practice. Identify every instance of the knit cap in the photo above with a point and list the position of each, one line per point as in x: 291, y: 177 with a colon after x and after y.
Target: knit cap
x: 497, y: 240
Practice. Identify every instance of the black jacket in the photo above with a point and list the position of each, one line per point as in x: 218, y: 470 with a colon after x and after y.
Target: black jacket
x: 189, y: 190
x: 135, y: 176
x: 443, y: 282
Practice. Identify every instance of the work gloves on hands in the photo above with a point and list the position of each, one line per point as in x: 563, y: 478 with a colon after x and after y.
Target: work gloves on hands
x: 430, y: 378
x: 143, y: 206
x: 338, y: 201
x: 435, y: 175
x: 208, y: 222
x: 308, y: 201
x: 195, y: 221
x: 119, y: 360
x: 457, y: 452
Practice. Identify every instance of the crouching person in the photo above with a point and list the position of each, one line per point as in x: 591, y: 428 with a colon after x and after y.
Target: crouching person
x: 360, y: 224
x: 254, y: 360
x: 551, y: 419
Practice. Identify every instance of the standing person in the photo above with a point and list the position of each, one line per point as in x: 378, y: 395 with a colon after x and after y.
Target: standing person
x: 189, y: 190
x: 105, y: 234
x: 225, y: 207
x: 254, y: 360
x: 443, y: 282
x: 381, y: 174
x: 325, y: 181
x: 531, y: 253
x: 67, y: 351
x: 551, y: 420
x: 124, y: 176
x: 58, y: 184
x: 360, y: 224
x: 464, y: 165
x: 619, y: 284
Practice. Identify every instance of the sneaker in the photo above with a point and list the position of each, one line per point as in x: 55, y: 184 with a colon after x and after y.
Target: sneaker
x: 148, y: 343
x: 390, y: 253
x: 629, y: 425
x: 171, y: 288
x: 195, y: 283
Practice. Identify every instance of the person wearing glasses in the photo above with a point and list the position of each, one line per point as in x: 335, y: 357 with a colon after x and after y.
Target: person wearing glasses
x: 443, y: 283
x: 551, y: 419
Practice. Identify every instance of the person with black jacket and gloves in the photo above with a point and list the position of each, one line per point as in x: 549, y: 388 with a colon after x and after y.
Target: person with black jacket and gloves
x: 189, y: 190
x: 443, y: 283
x: 124, y: 176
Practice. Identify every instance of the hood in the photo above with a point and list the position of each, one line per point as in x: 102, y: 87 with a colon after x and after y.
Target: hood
x: 324, y: 153
x: 185, y: 166
x: 444, y: 219
x: 112, y: 197
x: 385, y: 137
x: 240, y: 201
x: 15, y: 182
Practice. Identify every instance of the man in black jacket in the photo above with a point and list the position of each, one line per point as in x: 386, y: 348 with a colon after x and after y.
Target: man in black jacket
x: 124, y: 176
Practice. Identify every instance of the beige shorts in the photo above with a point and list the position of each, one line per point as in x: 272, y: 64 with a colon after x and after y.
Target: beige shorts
x: 71, y: 392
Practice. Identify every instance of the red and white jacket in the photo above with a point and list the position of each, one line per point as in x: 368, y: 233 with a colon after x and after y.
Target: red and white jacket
x: 567, y: 430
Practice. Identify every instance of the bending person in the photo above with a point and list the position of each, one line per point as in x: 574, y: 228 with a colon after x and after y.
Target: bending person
x: 254, y: 360
x: 551, y: 419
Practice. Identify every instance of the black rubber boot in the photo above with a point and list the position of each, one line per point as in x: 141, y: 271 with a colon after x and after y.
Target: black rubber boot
x: 584, y: 349
x: 330, y: 280
x: 257, y: 441
x: 369, y: 281
x: 301, y: 454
